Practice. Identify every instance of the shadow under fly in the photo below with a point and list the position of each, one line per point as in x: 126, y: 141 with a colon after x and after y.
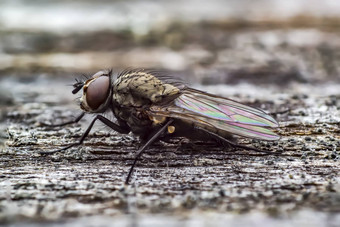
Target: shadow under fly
x: 154, y: 106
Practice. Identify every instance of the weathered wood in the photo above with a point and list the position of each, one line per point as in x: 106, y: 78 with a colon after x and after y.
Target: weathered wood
x: 171, y: 177
x: 268, y: 54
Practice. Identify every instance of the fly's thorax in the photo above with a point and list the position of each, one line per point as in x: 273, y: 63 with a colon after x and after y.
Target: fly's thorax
x: 138, y: 88
x: 137, y: 120
x: 96, y: 92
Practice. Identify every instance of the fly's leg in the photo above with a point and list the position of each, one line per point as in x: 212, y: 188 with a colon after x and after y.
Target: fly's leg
x: 77, y: 119
x: 118, y: 128
x: 236, y: 145
x: 142, y: 149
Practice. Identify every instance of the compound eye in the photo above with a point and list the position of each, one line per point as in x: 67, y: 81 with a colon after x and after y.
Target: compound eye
x: 97, y: 92
x: 99, y: 74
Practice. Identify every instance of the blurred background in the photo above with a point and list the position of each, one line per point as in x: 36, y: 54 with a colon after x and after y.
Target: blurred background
x: 216, y: 41
x: 273, y: 54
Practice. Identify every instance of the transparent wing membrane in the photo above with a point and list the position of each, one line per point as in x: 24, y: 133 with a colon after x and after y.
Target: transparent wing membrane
x: 220, y: 113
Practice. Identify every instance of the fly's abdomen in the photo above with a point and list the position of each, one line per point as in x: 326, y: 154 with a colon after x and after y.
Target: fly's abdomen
x: 193, y: 130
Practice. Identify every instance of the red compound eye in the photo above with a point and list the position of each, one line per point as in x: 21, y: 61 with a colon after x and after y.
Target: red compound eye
x: 97, y: 92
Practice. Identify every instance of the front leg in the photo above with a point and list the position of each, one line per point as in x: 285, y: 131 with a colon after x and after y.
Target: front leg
x: 77, y: 119
x: 235, y: 144
x: 124, y: 129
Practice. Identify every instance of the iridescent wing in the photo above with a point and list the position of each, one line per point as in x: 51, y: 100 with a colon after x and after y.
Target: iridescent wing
x: 220, y: 113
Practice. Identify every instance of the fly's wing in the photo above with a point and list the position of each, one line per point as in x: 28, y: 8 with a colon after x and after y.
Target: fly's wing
x: 220, y: 113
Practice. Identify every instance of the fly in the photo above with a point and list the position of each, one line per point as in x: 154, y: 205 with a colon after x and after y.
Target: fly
x: 155, y: 107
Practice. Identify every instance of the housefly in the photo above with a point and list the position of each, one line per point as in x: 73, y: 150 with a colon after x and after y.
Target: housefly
x: 154, y: 107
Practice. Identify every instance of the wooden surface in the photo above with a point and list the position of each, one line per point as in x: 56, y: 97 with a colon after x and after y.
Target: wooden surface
x: 184, y: 180
x: 283, y: 58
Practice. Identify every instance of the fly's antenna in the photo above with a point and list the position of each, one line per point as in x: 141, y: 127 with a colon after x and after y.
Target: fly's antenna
x: 77, y: 86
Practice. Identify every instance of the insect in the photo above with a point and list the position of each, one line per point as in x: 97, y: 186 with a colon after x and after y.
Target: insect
x: 155, y: 107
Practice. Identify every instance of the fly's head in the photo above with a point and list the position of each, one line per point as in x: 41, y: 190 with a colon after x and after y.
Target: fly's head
x: 96, y: 92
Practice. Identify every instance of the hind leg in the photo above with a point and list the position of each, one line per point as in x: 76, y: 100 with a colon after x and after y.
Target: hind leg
x: 233, y: 144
